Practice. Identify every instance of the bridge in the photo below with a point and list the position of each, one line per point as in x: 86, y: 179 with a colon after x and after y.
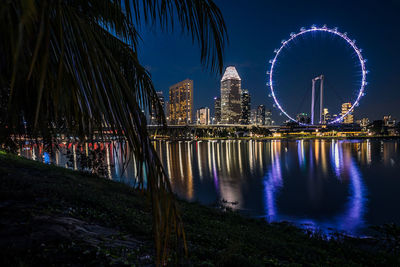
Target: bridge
x: 215, y: 130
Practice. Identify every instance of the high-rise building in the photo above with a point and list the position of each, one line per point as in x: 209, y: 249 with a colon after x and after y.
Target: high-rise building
x: 217, y: 110
x: 230, y: 96
x: 268, y: 118
x: 246, y: 107
x: 181, y: 103
x: 203, y: 116
x: 154, y: 119
x: 261, y: 115
x: 349, y: 118
x: 253, y: 116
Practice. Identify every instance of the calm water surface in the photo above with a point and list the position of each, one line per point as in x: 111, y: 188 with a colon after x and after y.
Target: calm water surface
x: 326, y: 184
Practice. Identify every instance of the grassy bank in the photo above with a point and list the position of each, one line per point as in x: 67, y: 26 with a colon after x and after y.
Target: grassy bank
x: 54, y: 216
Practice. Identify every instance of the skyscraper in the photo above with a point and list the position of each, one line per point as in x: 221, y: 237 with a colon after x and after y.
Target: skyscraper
x: 230, y: 96
x: 261, y: 115
x: 203, y: 116
x: 348, y: 118
x: 253, y: 116
x: 154, y: 119
x: 246, y: 107
x: 268, y: 118
x: 181, y: 103
x: 217, y: 110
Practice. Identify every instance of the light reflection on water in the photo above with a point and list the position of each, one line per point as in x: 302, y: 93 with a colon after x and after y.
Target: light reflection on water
x: 344, y: 185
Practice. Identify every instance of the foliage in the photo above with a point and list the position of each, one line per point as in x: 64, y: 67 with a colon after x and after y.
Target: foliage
x: 71, y: 67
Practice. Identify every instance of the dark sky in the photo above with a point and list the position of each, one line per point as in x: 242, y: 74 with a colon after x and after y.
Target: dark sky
x: 256, y: 28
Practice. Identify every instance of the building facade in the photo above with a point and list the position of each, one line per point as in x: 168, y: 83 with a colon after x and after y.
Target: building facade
x: 268, y: 118
x: 153, y: 117
x: 260, y: 115
x: 230, y: 96
x: 349, y: 118
x: 203, y: 116
x: 246, y: 107
x: 181, y: 103
x: 217, y: 110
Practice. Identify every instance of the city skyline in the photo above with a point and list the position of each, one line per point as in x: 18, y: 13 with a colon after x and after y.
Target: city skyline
x: 250, y: 51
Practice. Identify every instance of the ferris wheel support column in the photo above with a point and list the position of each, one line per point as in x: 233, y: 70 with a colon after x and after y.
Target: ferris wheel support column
x: 321, y: 100
x: 312, y: 101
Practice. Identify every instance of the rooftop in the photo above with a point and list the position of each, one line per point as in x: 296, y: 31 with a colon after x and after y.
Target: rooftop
x: 230, y: 74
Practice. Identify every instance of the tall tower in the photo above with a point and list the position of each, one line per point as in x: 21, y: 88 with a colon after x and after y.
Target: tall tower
x: 217, y: 110
x: 181, y: 103
x: 261, y: 115
x: 245, y: 106
x: 230, y: 96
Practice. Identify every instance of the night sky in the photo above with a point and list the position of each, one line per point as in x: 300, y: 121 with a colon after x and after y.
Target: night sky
x: 256, y: 28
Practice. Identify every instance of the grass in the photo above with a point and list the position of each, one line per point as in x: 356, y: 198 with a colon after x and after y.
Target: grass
x: 34, y: 195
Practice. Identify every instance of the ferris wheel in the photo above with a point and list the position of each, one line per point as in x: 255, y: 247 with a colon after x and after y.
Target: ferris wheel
x: 303, y: 31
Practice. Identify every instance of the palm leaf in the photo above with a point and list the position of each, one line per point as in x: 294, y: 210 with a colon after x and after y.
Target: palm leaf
x: 71, y: 67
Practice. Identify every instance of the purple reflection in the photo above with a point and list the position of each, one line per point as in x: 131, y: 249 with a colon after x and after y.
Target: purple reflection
x: 353, y: 217
x: 215, y: 172
x: 351, y: 220
x: 272, y: 183
x: 336, y: 157
x: 300, y: 152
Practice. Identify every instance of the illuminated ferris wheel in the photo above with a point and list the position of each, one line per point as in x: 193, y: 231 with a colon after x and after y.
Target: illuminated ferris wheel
x: 302, y: 32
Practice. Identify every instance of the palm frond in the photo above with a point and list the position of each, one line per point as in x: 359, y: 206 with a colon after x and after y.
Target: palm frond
x: 71, y: 67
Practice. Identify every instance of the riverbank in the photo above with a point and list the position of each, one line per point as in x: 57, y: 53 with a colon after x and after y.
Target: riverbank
x: 280, y: 138
x: 54, y: 216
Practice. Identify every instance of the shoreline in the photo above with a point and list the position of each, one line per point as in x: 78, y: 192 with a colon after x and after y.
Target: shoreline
x: 43, y: 207
x: 280, y: 138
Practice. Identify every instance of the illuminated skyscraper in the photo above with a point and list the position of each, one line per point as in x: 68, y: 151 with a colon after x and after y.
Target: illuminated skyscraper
x: 348, y: 118
x: 181, y: 103
x: 246, y: 107
x: 261, y: 115
x: 203, y: 116
x: 230, y: 96
x: 268, y: 118
x: 253, y: 116
x: 217, y: 110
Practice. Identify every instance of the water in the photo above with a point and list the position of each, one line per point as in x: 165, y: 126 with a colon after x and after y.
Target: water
x: 326, y: 184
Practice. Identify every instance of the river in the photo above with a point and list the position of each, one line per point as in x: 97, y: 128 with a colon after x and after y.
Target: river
x: 344, y: 185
